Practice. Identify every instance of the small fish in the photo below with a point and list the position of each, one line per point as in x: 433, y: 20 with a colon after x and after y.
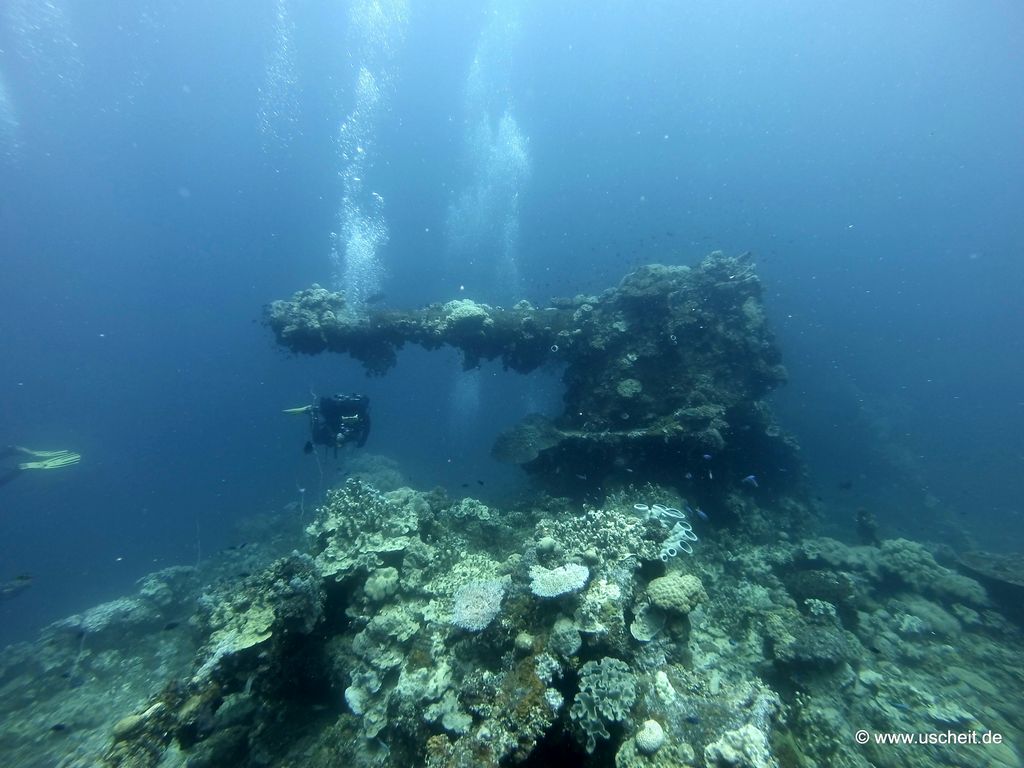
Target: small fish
x: 59, y: 727
x: 750, y: 480
x: 692, y: 719
x: 688, y: 475
x: 581, y: 477
x: 171, y: 625
x: 308, y: 447
x: 708, y: 457
x: 479, y: 482
x: 711, y: 475
x: 464, y: 485
x: 700, y: 513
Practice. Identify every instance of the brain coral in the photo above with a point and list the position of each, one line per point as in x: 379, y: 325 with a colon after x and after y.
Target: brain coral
x: 650, y: 737
x: 677, y: 592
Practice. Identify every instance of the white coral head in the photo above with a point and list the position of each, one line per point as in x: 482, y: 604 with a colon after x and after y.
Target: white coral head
x: 650, y: 737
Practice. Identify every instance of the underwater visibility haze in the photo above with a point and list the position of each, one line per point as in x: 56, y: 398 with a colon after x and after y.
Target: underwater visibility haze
x: 396, y: 383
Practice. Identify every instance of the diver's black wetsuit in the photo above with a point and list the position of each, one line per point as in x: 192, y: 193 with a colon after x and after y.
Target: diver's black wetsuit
x: 339, y: 419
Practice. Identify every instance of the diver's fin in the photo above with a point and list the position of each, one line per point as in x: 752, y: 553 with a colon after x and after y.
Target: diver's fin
x: 41, y: 454
x: 61, y: 459
x: 303, y: 409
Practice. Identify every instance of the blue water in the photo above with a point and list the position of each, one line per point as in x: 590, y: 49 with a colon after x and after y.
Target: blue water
x: 168, y: 168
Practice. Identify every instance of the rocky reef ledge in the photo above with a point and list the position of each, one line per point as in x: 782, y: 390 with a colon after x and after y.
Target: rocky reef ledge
x: 413, y: 629
x: 669, y: 366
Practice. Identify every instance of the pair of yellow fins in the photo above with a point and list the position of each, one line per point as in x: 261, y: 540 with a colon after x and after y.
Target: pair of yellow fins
x: 48, y: 459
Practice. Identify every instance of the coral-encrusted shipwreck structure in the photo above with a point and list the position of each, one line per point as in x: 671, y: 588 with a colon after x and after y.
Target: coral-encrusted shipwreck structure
x: 671, y: 365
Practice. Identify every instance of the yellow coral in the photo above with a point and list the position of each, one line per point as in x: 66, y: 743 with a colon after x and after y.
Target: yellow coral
x: 677, y: 592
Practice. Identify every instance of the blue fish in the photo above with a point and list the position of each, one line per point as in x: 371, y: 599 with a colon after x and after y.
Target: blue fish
x: 750, y: 480
x: 701, y: 513
x: 707, y: 457
x: 688, y: 475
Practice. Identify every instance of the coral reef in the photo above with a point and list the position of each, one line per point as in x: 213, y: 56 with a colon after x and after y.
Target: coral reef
x: 678, y: 593
x: 477, y: 603
x: 606, y: 695
x: 400, y: 637
x: 553, y: 582
x: 1002, y: 575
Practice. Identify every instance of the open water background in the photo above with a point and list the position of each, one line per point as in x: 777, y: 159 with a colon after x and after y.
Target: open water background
x: 166, y: 168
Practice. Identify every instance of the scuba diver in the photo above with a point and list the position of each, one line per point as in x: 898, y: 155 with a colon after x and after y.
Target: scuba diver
x: 337, y: 420
x: 43, y: 460
x: 15, y: 586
